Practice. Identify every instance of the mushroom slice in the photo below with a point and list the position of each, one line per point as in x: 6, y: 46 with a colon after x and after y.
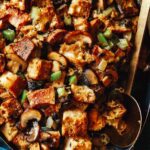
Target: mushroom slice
x: 83, y: 94
x: 56, y: 36
x: 75, y: 36
x: 58, y: 57
x: 28, y: 115
x: 32, y: 135
x: 90, y: 75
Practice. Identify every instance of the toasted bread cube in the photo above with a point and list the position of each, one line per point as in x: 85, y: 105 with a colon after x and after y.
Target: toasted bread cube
x: 10, y: 108
x: 39, y: 69
x: 2, y: 63
x: 9, y: 130
x: 96, y: 122
x: 13, y: 83
x: 43, y: 97
x: 80, y: 8
x: 34, y: 146
x: 74, y: 123
x: 24, y: 48
x: 17, y: 18
x: 53, y: 136
x: 83, y: 94
x: 78, y: 144
x: 21, y: 142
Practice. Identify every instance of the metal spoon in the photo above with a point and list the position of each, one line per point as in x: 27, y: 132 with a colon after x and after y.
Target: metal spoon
x: 133, y: 119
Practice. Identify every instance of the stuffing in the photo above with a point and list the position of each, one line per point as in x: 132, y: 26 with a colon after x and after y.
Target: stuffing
x: 2, y: 63
x: 20, y: 4
x: 10, y: 108
x: 96, y: 121
x: 78, y: 144
x: 80, y: 8
x: 17, y: 18
x: 34, y: 146
x: 74, y: 123
x: 118, y: 124
x: 45, y: 19
x: 23, y: 48
x: 2, y: 40
x: 52, y: 136
x: 56, y: 36
x: 76, y: 54
x: 42, y: 97
x: 13, y: 83
x: 61, y: 81
x: 116, y: 110
x: 83, y: 94
x: 129, y: 7
x: 9, y: 130
x: 20, y: 141
x: 39, y: 69
x: 81, y: 24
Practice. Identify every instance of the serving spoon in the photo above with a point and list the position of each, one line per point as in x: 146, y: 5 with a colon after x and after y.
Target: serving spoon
x: 133, y: 119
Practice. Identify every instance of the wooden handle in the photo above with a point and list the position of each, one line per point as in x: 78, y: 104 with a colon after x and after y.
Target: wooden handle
x: 138, y: 42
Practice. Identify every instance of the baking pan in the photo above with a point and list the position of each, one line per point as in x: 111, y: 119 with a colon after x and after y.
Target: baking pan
x: 145, y: 6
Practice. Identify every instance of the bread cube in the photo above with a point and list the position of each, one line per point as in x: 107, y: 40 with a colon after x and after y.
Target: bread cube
x: 10, y: 108
x: 78, y: 144
x: 23, y: 48
x: 80, y: 8
x: 39, y: 69
x: 96, y: 122
x: 52, y: 136
x: 9, y: 130
x: 43, y: 97
x: 13, y: 83
x: 34, y: 146
x: 83, y: 94
x: 74, y: 123
x: 21, y: 142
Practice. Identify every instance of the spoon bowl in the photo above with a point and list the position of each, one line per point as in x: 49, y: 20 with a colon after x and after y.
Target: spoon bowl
x: 133, y: 119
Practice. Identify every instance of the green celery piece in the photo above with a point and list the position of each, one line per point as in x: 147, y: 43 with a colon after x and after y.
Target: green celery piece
x: 73, y: 80
x: 56, y: 76
x: 9, y: 34
x: 24, y: 96
x: 102, y: 40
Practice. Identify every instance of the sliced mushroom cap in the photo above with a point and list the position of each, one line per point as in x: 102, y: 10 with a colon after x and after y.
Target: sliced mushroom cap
x: 56, y: 36
x: 33, y: 134
x: 75, y: 36
x: 91, y: 76
x: 58, y: 57
x: 30, y: 114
